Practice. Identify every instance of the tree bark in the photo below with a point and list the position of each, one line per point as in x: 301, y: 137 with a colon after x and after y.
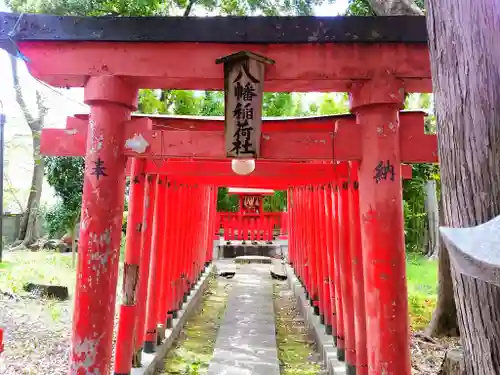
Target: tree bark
x: 432, y: 213
x: 444, y: 318
x: 395, y: 8
x: 28, y: 229
x: 189, y: 8
x: 464, y: 36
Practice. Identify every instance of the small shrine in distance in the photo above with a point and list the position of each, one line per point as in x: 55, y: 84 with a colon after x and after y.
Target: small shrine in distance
x: 250, y: 230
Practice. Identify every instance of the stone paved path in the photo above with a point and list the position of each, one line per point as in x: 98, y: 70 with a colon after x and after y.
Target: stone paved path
x: 246, y: 342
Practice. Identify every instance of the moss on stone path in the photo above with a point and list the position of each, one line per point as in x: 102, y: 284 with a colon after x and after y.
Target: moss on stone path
x: 194, y: 348
x: 296, y: 351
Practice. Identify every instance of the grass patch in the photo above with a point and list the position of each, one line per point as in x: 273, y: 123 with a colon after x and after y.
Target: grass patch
x: 5, y: 265
x: 42, y: 267
x: 195, y: 345
x: 294, y: 348
x: 422, y: 276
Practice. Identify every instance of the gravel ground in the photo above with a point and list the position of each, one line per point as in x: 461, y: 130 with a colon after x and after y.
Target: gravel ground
x: 428, y: 353
x: 37, y: 331
x: 37, y: 336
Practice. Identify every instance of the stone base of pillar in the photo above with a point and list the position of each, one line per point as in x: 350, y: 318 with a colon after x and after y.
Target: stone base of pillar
x: 328, y: 329
x: 341, y: 354
x: 137, y: 359
x: 160, y: 334
x: 351, y: 369
x: 322, y: 319
x: 149, y: 346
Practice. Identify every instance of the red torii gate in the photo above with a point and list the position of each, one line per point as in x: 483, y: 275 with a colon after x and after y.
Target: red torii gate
x: 375, y: 59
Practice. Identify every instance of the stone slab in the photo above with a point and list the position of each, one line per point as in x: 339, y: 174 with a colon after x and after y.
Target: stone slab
x: 252, y: 259
x: 246, y: 341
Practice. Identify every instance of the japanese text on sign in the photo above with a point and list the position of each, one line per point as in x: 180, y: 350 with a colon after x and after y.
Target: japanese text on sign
x: 384, y: 170
x: 243, y: 113
x: 243, y: 86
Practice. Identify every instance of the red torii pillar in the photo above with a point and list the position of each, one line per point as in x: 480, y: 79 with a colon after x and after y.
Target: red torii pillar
x: 111, y: 102
x: 147, y: 231
x: 376, y: 104
x: 158, y: 223
x: 133, y: 255
x: 357, y: 272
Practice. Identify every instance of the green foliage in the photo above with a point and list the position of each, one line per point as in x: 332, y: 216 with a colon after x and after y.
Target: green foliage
x: 170, y: 7
x: 422, y: 289
x: 295, y: 350
x: 194, y: 349
x: 65, y: 175
x: 414, y: 189
x: 413, y: 204
x: 333, y: 104
x: 276, y: 202
x: 359, y: 8
x: 58, y: 220
x: 277, y: 104
x: 363, y: 8
x: 226, y: 202
x: 36, y: 267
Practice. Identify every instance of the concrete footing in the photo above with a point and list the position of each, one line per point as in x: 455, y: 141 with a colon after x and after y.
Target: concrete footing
x: 325, y: 344
x: 152, y: 362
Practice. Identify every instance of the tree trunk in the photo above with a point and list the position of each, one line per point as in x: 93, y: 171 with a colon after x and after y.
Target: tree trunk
x: 28, y: 228
x: 29, y: 223
x: 432, y: 213
x: 72, y: 233
x: 464, y: 36
x: 444, y: 317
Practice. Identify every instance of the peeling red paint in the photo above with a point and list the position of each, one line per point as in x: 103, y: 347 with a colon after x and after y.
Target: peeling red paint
x: 382, y: 230
x: 100, y: 232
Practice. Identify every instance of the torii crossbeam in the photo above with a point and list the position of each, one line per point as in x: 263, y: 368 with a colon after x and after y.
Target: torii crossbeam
x: 336, y: 137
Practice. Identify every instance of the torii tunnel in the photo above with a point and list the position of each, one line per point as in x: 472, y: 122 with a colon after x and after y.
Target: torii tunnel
x: 343, y: 174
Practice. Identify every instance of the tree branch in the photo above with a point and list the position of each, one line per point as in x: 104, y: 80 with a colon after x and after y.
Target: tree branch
x: 11, y: 190
x: 42, y: 109
x: 19, y: 95
x: 395, y: 8
x: 189, y: 7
